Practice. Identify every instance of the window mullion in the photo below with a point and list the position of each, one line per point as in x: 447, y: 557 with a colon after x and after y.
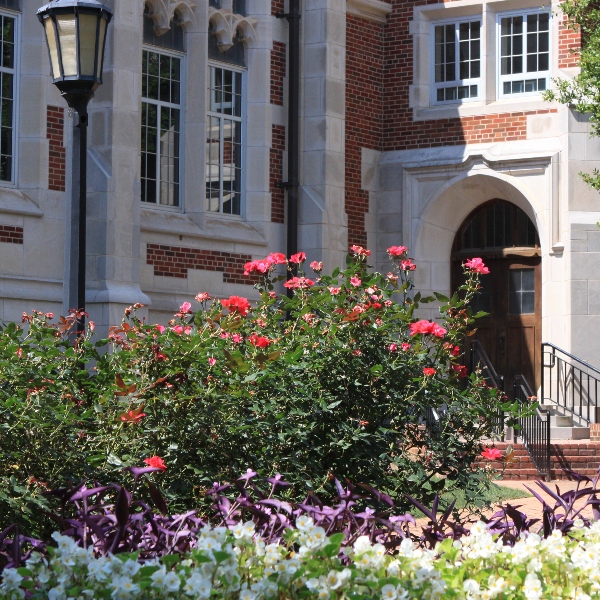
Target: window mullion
x: 221, y: 165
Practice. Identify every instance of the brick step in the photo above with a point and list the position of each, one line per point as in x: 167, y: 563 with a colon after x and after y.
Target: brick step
x: 582, y: 457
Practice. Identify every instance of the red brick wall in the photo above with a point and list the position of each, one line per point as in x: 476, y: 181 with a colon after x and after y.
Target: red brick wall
x: 57, y: 153
x: 11, y: 235
x: 276, y: 174
x: 569, y: 42
x: 174, y: 261
x: 364, y: 114
x: 278, y: 55
x: 277, y: 6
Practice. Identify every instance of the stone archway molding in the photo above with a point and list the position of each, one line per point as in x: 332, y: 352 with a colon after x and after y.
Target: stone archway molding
x: 162, y: 13
x: 226, y: 25
x: 444, y: 213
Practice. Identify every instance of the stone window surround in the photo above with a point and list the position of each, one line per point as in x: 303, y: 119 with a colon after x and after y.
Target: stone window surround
x: 193, y: 220
x: 488, y: 10
x: 226, y: 25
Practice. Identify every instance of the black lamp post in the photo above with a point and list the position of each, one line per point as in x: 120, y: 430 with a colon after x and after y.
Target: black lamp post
x: 76, y: 35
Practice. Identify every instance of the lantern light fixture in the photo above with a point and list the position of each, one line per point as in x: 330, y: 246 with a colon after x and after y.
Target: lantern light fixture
x: 76, y: 35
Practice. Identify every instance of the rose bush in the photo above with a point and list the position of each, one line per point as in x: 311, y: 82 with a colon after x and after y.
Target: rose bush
x: 340, y: 380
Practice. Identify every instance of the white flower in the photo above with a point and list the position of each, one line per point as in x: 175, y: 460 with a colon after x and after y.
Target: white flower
x: 56, y: 593
x: 171, y: 582
x: 131, y: 567
x: 471, y: 587
x: 247, y: 595
x: 406, y: 548
x: 198, y: 586
x: 158, y: 577
x: 11, y: 580
x: 363, y: 544
x: 389, y: 592
x: 243, y: 530
x: 532, y: 587
x: 304, y: 523
x: 66, y: 545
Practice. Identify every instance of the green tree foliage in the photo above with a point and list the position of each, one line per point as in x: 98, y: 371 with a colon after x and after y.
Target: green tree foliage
x: 582, y: 93
x: 338, y: 379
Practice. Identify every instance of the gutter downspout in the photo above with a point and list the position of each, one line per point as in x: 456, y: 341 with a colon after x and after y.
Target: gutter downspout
x: 292, y: 185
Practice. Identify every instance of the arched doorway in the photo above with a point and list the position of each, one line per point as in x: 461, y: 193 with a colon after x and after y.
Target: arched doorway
x: 505, y: 238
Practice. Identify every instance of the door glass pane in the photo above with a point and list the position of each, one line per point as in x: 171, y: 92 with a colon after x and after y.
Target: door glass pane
x: 521, y: 291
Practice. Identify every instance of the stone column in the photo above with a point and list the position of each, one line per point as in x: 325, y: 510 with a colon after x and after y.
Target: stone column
x: 113, y: 263
x: 323, y: 232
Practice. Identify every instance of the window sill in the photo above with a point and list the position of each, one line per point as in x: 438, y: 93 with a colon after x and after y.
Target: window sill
x: 215, y: 228
x: 475, y: 109
x: 14, y: 202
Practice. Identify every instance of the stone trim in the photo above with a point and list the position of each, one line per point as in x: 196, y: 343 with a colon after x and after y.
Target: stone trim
x: 227, y: 25
x: 163, y: 11
x: 57, y: 153
x: 11, y: 235
x: 375, y: 11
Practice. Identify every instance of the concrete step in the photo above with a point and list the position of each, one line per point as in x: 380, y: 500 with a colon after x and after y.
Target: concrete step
x: 569, y: 433
x: 559, y: 411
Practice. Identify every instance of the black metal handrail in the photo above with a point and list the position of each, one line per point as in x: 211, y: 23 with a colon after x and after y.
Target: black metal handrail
x: 534, y: 428
x: 570, y: 383
x: 480, y: 361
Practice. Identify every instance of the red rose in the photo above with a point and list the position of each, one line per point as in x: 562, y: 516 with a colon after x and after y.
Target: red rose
x: 492, y: 454
x: 298, y: 258
x: 156, y: 461
x: 428, y: 371
x: 396, y: 250
x: 259, y: 341
x: 460, y: 370
x: 237, y: 304
x: 298, y: 282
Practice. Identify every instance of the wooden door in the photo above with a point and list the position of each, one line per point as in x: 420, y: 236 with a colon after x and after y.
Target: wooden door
x: 511, y: 293
x: 511, y: 333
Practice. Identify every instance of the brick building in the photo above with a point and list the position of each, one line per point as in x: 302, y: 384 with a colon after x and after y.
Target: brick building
x: 421, y: 123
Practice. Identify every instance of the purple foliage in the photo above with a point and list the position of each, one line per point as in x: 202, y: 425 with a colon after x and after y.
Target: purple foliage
x: 112, y: 520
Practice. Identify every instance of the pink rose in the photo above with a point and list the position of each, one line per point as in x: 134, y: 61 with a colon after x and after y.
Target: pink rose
x: 355, y: 281
x: 492, y: 454
x: 396, y: 250
x: 334, y: 291
x: 185, y: 308
x: 317, y: 267
x: 212, y: 361
x: 161, y: 328
x: 298, y: 258
x: 393, y: 347
x: 475, y: 265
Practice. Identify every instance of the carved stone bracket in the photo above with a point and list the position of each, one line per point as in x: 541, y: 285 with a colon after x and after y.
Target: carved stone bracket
x: 226, y: 25
x: 162, y: 13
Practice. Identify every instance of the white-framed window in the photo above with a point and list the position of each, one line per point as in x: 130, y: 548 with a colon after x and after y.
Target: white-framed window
x: 8, y: 92
x: 224, y: 124
x: 161, y: 126
x: 523, y: 53
x: 456, y: 55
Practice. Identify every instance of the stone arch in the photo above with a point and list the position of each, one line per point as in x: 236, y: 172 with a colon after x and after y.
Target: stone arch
x: 226, y: 26
x: 435, y: 226
x: 162, y: 13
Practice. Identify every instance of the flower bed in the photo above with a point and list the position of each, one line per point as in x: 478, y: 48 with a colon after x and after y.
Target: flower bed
x: 233, y: 564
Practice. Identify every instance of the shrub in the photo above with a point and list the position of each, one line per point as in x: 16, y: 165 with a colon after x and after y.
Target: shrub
x: 340, y: 380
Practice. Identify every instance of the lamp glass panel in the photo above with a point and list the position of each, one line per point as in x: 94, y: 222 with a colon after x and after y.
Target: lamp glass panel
x: 100, y: 57
x: 88, y: 25
x: 52, y: 45
x: 67, y: 34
